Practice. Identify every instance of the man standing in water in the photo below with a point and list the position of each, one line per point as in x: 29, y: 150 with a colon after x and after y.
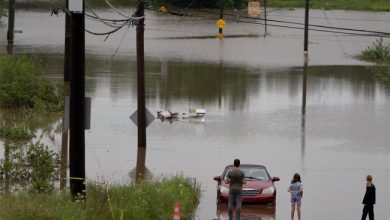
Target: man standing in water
x: 369, y: 199
x: 235, y: 178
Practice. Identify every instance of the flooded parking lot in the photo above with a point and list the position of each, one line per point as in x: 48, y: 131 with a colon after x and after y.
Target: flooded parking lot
x: 251, y: 89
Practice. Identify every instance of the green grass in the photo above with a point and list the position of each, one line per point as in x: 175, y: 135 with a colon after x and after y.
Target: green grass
x: 148, y: 200
x: 378, y: 52
x: 369, y: 5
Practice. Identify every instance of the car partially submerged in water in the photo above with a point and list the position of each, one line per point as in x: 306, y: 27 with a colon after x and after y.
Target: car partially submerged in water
x: 259, y: 186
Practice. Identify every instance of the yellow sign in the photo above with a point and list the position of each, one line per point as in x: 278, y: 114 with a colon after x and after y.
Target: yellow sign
x: 163, y: 9
x: 254, y: 9
x: 220, y: 23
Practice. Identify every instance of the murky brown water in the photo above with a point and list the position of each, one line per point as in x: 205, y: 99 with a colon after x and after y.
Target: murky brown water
x: 252, y: 91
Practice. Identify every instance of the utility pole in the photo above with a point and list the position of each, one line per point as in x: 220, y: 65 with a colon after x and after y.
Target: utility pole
x: 11, y: 21
x: 221, y: 15
x: 141, y: 75
x: 64, y: 140
x: 77, y: 104
x: 306, y: 37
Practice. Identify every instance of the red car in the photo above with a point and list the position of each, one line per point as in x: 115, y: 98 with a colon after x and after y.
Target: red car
x: 259, y: 186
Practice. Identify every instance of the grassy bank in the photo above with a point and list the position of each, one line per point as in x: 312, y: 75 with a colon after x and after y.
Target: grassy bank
x: 147, y: 200
x: 367, y: 5
x: 378, y: 52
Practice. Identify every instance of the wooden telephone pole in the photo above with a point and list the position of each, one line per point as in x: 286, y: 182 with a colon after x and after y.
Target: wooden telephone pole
x: 141, y: 75
x: 306, y: 37
x: 11, y: 21
x: 77, y: 104
x: 221, y: 15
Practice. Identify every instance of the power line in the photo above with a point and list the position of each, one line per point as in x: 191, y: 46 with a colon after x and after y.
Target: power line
x: 298, y: 23
x: 314, y: 17
x: 311, y: 29
x: 100, y: 19
x: 115, y: 9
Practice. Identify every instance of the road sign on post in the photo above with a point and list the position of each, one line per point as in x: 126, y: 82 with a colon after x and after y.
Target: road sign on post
x: 254, y: 9
x: 221, y: 23
x: 149, y: 117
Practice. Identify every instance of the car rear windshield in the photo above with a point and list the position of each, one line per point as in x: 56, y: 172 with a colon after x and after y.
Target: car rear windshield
x: 253, y: 173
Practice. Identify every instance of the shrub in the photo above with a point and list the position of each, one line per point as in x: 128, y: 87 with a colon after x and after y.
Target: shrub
x: 22, y: 85
x: 35, y: 168
x: 147, y: 200
x: 379, y: 51
x: 36, y: 206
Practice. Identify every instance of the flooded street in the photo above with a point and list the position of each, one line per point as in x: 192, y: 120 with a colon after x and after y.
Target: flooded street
x: 251, y: 88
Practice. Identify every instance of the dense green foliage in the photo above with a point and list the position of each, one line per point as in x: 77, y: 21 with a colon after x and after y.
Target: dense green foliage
x: 379, y: 52
x: 374, y: 5
x: 36, y: 168
x: 22, y: 85
x: 146, y: 201
x: 371, y: 5
x: 25, y: 94
x: 35, y: 206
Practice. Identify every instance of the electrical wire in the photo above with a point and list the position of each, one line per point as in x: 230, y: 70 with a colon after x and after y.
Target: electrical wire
x: 338, y: 43
x: 311, y: 29
x: 120, y: 42
x: 105, y: 19
x: 100, y: 19
x: 117, y: 10
x: 104, y: 33
x: 299, y: 23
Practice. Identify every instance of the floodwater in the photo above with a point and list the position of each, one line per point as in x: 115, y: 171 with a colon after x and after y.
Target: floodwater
x: 251, y: 88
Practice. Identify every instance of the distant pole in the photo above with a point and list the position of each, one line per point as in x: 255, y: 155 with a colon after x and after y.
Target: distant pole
x: 64, y: 156
x: 306, y: 37
x: 141, y: 75
x: 265, y: 18
x: 77, y: 105
x: 11, y: 21
x: 7, y: 160
x: 221, y: 14
x: 64, y: 141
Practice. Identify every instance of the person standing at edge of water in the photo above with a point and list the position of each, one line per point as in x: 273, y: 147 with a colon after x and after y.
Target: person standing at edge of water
x: 296, y: 190
x: 236, y: 178
x: 369, y: 199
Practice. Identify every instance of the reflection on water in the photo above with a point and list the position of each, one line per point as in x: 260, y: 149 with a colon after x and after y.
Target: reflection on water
x: 253, y: 112
x: 248, y: 212
x: 140, y: 172
x: 303, y: 111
